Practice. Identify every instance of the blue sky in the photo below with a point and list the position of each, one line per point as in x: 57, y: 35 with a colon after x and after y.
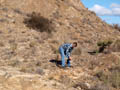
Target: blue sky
x: 108, y: 10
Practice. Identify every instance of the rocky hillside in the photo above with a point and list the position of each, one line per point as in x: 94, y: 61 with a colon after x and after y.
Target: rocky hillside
x: 31, y: 32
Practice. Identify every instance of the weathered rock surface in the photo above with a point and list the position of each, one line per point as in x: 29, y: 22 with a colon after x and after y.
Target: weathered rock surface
x: 30, y: 34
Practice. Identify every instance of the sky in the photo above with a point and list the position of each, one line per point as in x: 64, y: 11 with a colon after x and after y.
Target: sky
x: 108, y: 10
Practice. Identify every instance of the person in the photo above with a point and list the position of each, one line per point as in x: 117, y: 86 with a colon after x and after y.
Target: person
x: 65, y: 50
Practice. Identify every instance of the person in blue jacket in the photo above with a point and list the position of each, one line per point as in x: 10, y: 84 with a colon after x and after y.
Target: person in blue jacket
x: 65, y: 50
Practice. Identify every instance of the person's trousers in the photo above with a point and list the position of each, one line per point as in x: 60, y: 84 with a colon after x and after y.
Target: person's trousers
x: 61, y: 50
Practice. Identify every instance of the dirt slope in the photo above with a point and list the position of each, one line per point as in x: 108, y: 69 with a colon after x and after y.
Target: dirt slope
x: 30, y: 34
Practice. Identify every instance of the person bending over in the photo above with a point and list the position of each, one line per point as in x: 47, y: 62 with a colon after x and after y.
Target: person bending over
x: 65, y: 51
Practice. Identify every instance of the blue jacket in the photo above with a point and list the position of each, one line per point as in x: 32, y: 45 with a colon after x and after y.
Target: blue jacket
x: 67, y: 49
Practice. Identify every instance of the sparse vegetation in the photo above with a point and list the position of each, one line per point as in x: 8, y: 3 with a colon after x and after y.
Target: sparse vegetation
x: 15, y: 63
x: 39, y: 23
x: 40, y: 71
x: 27, y: 69
x: 55, y: 50
x: 82, y: 85
x: 103, y: 44
x: 116, y: 26
x: 116, y: 46
x: 51, y: 78
x: 38, y: 63
x: 115, y: 79
x: 29, y: 47
x: 102, y: 76
x: 100, y: 86
x: 1, y: 44
x: 13, y: 47
x: 3, y: 20
x: 55, y: 42
x: 112, y: 79
x: 23, y: 69
x: 33, y: 44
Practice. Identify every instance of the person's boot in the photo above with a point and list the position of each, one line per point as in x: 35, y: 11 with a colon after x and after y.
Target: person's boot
x: 62, y: 67
x: 70, y: 66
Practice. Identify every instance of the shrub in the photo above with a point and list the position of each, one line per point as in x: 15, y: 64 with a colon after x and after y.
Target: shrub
x: 55, y: 47
x: 40, y: 71
x: 33, y: 44
x: 103, y: 44
x: 39, y: 23
x: 116, y: 46
x: 13, y: 47
x: 112, y: 79
x: 115, y: 76
x: 55, y: 50
x: 100, y: 86
x: 23, y: 69
x: 115, y: 79
x: 15, y: 63
x: 1, y: 44
x: 101, y: 76
x: 116, y: 26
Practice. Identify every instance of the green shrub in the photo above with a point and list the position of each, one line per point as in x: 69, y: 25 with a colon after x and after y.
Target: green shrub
x: 103, y: 44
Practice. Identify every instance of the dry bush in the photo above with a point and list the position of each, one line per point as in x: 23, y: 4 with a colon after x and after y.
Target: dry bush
x: 115, y: 46
x: 13, y: 47
x: 100, y: 86
x: 1, y: 43
x: 14, y: 63
x: 3, y: 20
x: 23, y: 69
x: 115, y: 79
x: 103, y: 44
x: 82, y: 85
x: 39, y: 23
x: 103, y: 47
x: 116, y: 26
x: 112, y: 79
x: 102, y: 76
x: 55, y: 49
x: 38, y: 63
x: 54, y: 42
x: 39, y: 71
x: 18, y: 11
x: 27, y: 69
x: 115, y: 76
x: 93, y: 12
x: 54, y: 46
x: 33, y: 44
